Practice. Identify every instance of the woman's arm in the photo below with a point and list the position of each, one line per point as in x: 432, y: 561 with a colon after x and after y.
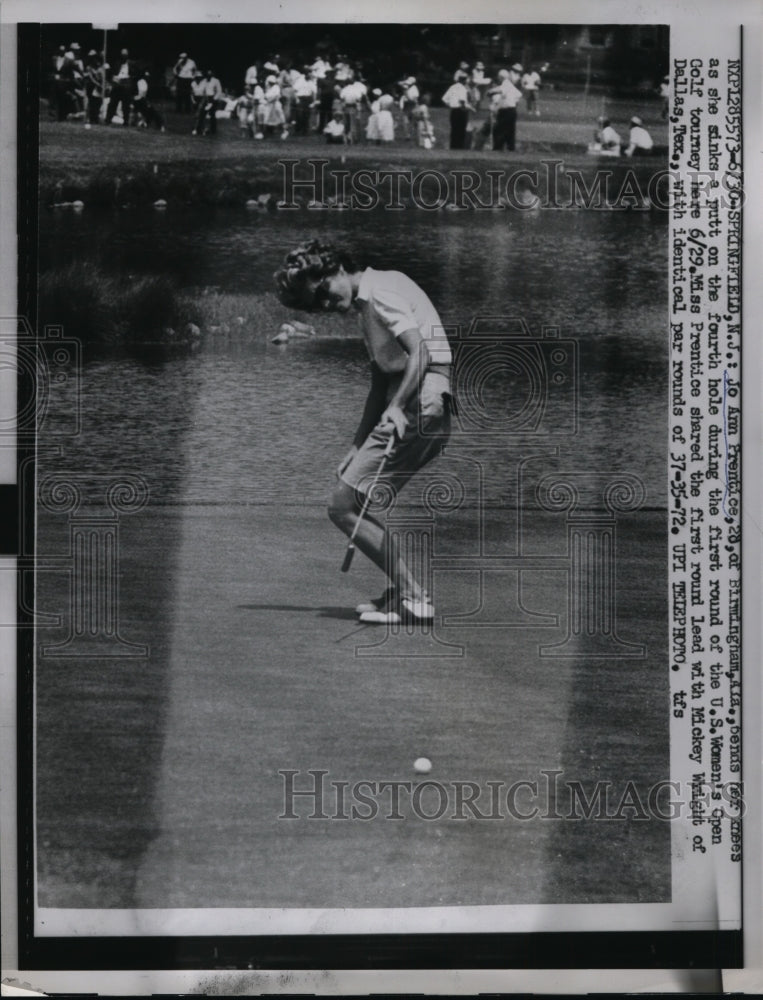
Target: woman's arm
x: 372, y: 411
x: 413, y: 343
x: 374, y: 406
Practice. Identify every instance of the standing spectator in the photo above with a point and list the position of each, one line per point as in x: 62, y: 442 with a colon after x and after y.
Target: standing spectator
x: 245, y: 112
x: 305, y: 92
x: 456, y: 97
x: 58, y: 89
x: 325, y: 98
x: 385, y: 123
x: 507, y: 96
x: 478, y: 84
x: 249, y: 110
x: 250, y: 77
x: 424, y: 129
x: 79, y: 66
x: 148, y: 115
x: 462, y: 72
x: 665, y: 95
x: 320, y: 68
x: 531, y: 86
x: 122, y: 88
x: 353, y: 97
x: 372, y: 125
x: 198, y: 79
x: 409, y: 101
x: 640, y: 141
x: 95, y: 85
x: 64, y: 87
x: 274, y: 116
x: 77, y: 91
x: 209, y: 92
x: 184, y: 73
x: 285, y: 82
x: 343, y: 72
x: 258, y: 97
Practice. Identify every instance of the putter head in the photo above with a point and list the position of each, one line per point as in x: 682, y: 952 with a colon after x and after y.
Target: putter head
x: 348, y: 557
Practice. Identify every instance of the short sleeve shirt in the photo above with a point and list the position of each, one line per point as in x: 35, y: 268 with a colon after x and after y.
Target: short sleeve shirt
x: 391, y: 304
x: 641, y: 138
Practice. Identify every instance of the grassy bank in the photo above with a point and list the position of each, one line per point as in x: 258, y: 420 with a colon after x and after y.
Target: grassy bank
x: 112, y: 166
x: 98, y: 308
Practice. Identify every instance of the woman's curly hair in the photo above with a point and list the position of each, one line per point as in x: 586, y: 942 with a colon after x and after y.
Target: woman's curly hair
x: 298, y: 282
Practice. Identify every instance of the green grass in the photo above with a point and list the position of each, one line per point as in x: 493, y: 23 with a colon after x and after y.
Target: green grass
x: 114, y: 166
x: 100, y: 308
x: 96, y: 307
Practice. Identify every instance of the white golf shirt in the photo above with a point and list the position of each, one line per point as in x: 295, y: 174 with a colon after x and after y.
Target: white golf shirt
x: 391, y: 304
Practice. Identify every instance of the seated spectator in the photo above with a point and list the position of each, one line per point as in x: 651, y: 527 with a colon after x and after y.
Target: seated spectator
x: 335, y: 130
x: 144, y: 109
x: 184, y: 73
x: 640, y: 142
x: 607, y: 141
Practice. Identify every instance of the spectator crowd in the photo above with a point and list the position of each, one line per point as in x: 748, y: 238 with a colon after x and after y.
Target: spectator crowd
x: 329, y: 98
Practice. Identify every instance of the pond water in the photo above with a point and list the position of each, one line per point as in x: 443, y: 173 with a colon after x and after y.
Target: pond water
x: 243, y: 420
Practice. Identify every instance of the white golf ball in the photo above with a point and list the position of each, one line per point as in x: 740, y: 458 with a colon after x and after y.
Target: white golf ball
x: 422, y: 765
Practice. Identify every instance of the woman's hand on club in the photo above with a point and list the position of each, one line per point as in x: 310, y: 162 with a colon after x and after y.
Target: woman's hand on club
x: 346, y: 461
x: 393, y: 416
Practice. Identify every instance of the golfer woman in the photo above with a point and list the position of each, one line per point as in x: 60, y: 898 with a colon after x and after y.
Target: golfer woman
x: 409, y: 398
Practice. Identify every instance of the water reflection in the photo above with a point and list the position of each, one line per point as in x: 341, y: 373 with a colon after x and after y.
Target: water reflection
x: 269, y: 422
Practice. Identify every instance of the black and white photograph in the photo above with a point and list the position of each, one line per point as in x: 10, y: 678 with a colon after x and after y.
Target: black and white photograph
x: 379, y: 482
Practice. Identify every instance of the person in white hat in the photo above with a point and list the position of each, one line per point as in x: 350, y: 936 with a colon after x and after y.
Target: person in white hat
x: 640, y: 141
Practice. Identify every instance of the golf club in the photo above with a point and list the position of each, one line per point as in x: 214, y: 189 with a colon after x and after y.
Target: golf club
x: 351, y: 543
